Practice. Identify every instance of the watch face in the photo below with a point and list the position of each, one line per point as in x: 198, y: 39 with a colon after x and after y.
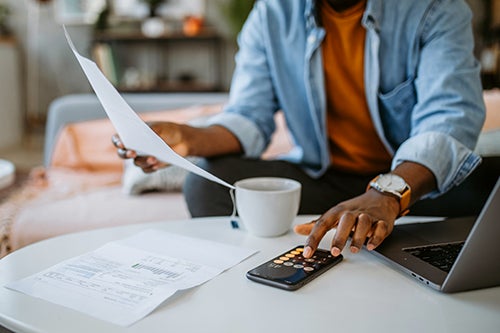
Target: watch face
x: 391, y: 182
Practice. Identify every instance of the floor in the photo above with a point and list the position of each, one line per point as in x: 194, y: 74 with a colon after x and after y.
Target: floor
x: 26, y: 154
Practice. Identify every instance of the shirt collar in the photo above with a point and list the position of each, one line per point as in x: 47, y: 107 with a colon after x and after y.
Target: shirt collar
x: 371, y: 17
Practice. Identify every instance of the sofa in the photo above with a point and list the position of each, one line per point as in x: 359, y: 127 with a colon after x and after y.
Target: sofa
x: 84, y: 185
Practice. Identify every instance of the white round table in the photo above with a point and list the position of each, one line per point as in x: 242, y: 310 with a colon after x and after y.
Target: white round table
x: 360, y: 294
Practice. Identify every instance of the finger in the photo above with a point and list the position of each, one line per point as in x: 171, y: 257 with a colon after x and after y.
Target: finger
x: 346, y: 223
x: 320, y: 228
x: 363, y: 227
x: 380, y: 231
x: 145, y: 162
x: 122, y: 152
x: 305, y: 228
x: 115, y: 139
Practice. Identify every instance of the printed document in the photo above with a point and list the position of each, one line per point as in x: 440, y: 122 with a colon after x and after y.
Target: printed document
x: 133, y: 131
x: 123, y: 281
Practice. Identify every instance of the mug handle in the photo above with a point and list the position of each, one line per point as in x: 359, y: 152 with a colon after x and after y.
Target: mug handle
x: 233, y: 219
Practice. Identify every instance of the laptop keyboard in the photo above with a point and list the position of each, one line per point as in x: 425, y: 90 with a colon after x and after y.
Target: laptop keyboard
x: 441, y: 256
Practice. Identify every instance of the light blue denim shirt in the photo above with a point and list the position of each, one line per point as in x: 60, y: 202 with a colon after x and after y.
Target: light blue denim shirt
x: 422, y: 83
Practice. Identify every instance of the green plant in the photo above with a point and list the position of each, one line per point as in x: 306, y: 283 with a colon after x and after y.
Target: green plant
x: 153, y: 5
x: 236, y: 12
x: 4, y: 16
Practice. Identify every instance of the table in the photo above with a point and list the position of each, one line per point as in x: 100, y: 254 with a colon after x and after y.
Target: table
x: 361, y: 294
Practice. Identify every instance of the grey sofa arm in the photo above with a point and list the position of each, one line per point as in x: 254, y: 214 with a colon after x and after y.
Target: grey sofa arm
x: 81, y: 107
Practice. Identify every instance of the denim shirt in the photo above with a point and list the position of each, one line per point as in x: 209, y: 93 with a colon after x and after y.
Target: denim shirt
x: 421, y: 79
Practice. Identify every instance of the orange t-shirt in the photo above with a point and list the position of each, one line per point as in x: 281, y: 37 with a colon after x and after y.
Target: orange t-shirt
x: 355, y: 146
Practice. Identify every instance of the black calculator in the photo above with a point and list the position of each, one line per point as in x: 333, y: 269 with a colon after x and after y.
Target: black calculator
x: 291, y: 270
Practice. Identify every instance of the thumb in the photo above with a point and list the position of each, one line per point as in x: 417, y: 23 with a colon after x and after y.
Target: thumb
x: 304, y: 229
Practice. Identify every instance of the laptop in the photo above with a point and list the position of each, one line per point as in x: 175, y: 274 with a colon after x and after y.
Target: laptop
x: 425, y: 251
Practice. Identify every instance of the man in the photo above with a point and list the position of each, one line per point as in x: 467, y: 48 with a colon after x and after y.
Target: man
x: 367, y: 87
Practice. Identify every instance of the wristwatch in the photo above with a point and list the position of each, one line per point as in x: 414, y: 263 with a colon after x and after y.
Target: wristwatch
x: 392, y: 184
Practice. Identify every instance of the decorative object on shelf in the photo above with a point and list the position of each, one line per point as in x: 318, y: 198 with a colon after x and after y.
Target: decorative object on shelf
x: 4, y: 16
x: 192, y: 25
x: 153, y: 26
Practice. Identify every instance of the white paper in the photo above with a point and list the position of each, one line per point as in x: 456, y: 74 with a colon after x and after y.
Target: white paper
x: 410, y: 219
x: 134, y: 132
x: 123, y: 281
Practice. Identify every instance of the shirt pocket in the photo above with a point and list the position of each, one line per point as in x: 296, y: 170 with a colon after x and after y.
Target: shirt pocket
x: 395, y: 111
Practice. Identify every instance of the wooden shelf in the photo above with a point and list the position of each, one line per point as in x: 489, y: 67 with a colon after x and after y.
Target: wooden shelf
x: 116, y: 52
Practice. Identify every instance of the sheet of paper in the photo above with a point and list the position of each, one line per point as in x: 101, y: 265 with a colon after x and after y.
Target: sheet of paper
x: 133, y: 131
x: 123, y: 281
x: 418, y: 219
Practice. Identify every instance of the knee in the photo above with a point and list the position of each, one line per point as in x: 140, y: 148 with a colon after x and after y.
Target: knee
x: 204, y: 197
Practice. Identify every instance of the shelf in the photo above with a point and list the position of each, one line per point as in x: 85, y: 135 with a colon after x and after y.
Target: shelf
x: 111, y: 37
x: 159, y: 64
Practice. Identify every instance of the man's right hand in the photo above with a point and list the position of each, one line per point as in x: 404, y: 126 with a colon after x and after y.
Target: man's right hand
x: 185, y: 140
x: 171, y: 133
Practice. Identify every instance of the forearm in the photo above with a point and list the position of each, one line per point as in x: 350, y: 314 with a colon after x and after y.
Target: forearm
x: 212, y: 141
x: 420, y: 179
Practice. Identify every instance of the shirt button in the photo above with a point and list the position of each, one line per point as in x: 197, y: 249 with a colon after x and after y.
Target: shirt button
x: 311, y: 39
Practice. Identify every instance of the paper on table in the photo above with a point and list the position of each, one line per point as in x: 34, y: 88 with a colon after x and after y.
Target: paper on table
x: 133, y: 131
x: 124, y: 281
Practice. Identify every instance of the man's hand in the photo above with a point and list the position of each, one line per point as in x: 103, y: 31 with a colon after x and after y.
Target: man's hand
x: 368, y: 216
x: 184, y: 140
x: 171, y: 133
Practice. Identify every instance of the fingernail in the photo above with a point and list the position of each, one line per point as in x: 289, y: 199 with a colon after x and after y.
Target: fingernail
x: 370, y: 247
x: 307, y: 252
x: 354, y: 249
x: 335, y: 251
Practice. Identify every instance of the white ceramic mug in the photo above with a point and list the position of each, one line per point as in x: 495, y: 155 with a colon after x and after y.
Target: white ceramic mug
x: 267, y: 206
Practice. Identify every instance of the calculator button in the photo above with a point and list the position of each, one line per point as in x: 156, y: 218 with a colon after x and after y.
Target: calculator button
x: 298, y: 266
x: 289, y: 255
x: 279, y: 262
x: 295, y: 252
x: 288, y: 263
x: 308, y: 269
x: 284, y: 258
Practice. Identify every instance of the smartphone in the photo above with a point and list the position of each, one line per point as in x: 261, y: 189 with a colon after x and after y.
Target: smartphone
x: 290, y: 270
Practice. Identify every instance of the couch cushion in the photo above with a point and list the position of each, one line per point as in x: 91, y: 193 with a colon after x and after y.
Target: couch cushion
x: 87, y: 145
x: 98, y: 208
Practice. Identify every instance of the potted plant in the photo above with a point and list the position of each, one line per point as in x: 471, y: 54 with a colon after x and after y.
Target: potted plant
x: 4, y: 16
x: 153, y: 26
x: 236, y: 12
x: 153, y: 6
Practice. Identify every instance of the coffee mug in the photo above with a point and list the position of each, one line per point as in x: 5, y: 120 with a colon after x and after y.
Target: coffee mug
x: 267, y: 206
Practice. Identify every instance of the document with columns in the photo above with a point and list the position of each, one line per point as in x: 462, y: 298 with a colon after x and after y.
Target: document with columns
x: 123, y: 281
